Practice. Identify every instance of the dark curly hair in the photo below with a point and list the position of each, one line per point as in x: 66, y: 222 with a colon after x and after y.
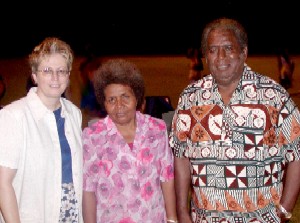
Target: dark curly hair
x: 119, y: 71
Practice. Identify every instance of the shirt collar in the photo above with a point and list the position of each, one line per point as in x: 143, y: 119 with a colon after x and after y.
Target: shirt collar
x: 38, y: 109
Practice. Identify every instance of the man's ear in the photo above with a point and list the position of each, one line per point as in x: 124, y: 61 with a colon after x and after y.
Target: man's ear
x: 245, y: 51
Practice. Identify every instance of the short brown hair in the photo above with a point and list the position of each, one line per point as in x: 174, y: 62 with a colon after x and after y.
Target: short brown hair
x: 48, y: 46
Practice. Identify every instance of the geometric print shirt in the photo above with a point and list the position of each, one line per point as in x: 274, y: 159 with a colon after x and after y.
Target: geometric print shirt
x: 238, y: 152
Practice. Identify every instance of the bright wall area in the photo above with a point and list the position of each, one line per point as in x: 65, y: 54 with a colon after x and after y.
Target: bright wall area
x: 164, y: 75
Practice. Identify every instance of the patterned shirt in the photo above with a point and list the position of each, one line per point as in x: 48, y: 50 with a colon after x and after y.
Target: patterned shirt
x: 237, y: 151
x: 127, y: 181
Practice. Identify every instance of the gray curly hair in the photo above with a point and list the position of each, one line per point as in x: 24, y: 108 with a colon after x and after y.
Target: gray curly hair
x: 225, y: 24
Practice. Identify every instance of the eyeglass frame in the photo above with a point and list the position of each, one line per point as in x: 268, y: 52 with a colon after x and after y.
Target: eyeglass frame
x: 48, y: 72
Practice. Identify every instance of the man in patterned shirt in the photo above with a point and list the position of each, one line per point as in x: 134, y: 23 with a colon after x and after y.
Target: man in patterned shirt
x: 235, y: 137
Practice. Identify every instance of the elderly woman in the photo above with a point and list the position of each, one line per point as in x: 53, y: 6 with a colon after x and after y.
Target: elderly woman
x: 128, y: 165
x: 41, y: 149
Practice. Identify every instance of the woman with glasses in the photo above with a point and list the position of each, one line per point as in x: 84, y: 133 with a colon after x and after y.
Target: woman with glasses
x: 41, y: 149
x: 128, y: 165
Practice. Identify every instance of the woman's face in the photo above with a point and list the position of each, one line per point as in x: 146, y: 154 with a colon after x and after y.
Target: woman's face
x: 120, y: 103
x: 52, y: 77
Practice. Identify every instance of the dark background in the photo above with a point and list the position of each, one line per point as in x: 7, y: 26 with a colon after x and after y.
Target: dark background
x: 143, y: 27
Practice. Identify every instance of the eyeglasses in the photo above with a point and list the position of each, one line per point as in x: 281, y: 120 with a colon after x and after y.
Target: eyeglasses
x: 48, y: 72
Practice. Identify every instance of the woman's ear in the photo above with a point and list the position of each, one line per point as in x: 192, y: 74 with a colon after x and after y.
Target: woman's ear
x: 34, y: 78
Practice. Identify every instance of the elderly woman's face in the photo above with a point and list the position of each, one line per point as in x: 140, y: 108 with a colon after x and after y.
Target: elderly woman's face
x: 120, y: 103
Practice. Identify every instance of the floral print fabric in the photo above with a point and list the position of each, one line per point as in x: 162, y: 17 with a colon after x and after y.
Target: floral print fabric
x: 127, y: 182
x: 69, y: 209
x: 237, y: 151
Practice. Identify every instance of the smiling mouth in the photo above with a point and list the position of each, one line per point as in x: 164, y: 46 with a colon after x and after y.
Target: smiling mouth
x: 223, y: 67
x: 54, y: 85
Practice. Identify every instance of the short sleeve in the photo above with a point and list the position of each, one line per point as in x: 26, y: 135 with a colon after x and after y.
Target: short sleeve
x: 290, y: 131
x: 167, y: 161
x: 11, y: 138
x: 89, y: 165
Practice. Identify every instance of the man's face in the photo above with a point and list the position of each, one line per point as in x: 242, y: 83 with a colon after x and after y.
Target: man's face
x: 225, y: 58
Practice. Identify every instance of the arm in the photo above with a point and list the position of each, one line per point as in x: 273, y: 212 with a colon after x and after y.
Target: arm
x: 8, y: 201
x: 89, y: 205
x: 170, y: 199
x: 182, y: 188
x: 291, y: 186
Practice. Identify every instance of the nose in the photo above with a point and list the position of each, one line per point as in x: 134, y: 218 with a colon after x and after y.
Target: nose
x: 221, y: 52
x: 54, y: 75
x: 119, y: 102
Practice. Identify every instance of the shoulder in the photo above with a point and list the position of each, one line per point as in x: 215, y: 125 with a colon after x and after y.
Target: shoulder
x: 14, y: 114
x: 253, y: 76
x: 204, y: 84
x: 152, y: 123
x: 15, y: 107
x: 70, y: 105
x: 99, y: 126
x: 262, y: 82
x: 72, y: 112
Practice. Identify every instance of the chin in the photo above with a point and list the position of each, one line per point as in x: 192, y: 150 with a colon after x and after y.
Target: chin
x: 55, y: 95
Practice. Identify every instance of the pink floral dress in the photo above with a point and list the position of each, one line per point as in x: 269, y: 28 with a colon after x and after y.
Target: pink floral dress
x: 127, y: 182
